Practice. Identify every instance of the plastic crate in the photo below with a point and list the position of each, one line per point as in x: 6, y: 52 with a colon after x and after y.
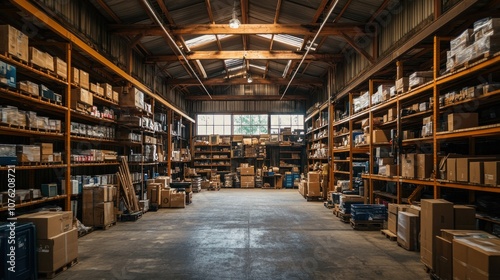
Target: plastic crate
x: 25, y: 254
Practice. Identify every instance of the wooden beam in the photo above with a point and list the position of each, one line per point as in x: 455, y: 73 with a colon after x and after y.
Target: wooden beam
x: 244, y: 29
x: 264, y: 55
x: 243, y: 81
x: 355, y: 46
x: 246, y: 98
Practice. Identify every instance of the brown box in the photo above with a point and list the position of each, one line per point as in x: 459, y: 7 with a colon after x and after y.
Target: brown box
x: 49, y: 224
x: 58, y: 251
x: 75, y: 76
x: 60, y: 68
x: 164, y: 180
x: 408, y: 230
x: 437, y: 214
x: 444, y: 255
x: 313, y: 189
x: 491, y: 171
x: 46, y: 148
x: 115, y: 96
x: 464, y: 217
x: 247, y: 170
x: 392, y: 114
x: 84, y: 80
x: 402, y: 84
x: 49, y: 62
x: 108, y: 90
x: 130, y: 97
x: 165, y: 198
x: 379, y: 136
x: 37, y: 57
x: 28, y: 153
x: 247, y: 181
x: 154, y: 193
x: 104, y: 214
x: 82, y: 95
x: 178, y: 200
x: 462, y: 120
x: 451, y: 169
x: 476, y: 258
x: 93, y: 87
x: 13, y: 42
x: 425, y: 165
x: 409, y: 165
x: 313, y: 177
x: 392, y: 218
x: 47, y: 158
x: 476, y: 172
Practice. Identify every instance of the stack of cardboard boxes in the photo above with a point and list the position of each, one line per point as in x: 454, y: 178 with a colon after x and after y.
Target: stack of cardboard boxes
x: 98, y: 206
x: 57, y: 239
x: 160, y: 195
x: 247, y: 176
x: 314, y: 184
x: 473, y: 169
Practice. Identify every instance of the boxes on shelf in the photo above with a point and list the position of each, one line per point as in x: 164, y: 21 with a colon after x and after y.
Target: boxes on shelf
x: 13, y: 42
x: 130, y: 97
x: 409, y: 165
x: 425, y: 165
x: 82, y: 95
x: 60, y: 68
x: 8, y: 154
x: 8, y: 74
x: 492, y: 173
x: 84, y: 79
x: 107, y: 90
x: 419, y: 78
x: 28, y: 153
x: 462, y: 120
x: 402, y: 84
x: 37, y: 57
x: 75, y: 76
x: 388, y: 169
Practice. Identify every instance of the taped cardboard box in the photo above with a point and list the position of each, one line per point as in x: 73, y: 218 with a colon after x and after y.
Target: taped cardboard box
x: 491, y: 173
x: 104, y: 214
x: 37, y: 57
x: 178, y: 200
x: 462, y: 120
x: 154, y: 193
x: 392, y: 216
x: 28, y: 153
x: 408, y: 230
x: 75, y: 76
x: 56, y: 252
x: 49, y: 223
x: 476, y: 258
x: 165, y: 198
x: 84, y: 79
x: 247, y: 170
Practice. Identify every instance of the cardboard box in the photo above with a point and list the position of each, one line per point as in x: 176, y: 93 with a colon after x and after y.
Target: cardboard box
x: 409, y: 165
x: 28, y: 153
x: 177, y: 200
x: 388, y: 170
x: 46, y: 148
x: 392, y: 215
x: 408, y: 230
x: 247, y: 170
x: 14, y: 42
x: 84, y: 79
x: 154, y: 193
x: 8, y: 74
x: 75, y: 76
x: 313, y: 189
x: 104, y: 214
x: 164, y: 180
x: 476, y: 172
x: 108, y: 90
x: 464, y: 217
x: 130, y: 97
x: 444, y: 255
x: 425, y: 165
x: 47, y: 158
x: 462, y: 120
x: 437, y: 214
x: 392, y: 114
x: 313, y: 177
x: 116, y: 96
x: 165, y: 198
x: 37, y: 57
x: 82, y: 95
x: 402, y: 84
x: 451, y: 169
x: 56, y: 252
x: 476, y: 258
x: 381, y: 152
x: 491, y: 172
x: 49, y: 224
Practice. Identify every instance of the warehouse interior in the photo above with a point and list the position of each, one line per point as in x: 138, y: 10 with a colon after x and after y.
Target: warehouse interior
x: 209, y: 139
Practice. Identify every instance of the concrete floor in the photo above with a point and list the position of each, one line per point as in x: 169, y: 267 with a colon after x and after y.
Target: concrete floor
x: 242, y: 234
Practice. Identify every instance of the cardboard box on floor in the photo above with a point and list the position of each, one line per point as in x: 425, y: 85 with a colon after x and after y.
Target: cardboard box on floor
x: 408, y: 230
x: 57, y: 251
x: 444, y: 249
x: 436, y: 214
x: 392, y: 216
x: 476, y: 258
x: 313, y: 177
x: 313, y: 189
x: 154, y: 193
x: 165, y: 198
x: 177, y: 200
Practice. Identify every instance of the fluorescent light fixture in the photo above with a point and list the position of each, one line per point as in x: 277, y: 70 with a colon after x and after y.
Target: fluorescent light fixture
x: 234, y: 22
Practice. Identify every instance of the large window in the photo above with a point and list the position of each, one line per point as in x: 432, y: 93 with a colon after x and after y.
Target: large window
x: 278, y: 122
x: 214, y: 124
x: 251, y: 124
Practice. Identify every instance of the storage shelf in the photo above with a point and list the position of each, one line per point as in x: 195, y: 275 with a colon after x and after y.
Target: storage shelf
x: 385, y: 104
x: 34, y: 73
x: 417, y: 114
x: 455, y: 185
x: 39, y: 166
x: 341, y: 160
x: 470, y: 132
x: 385, y: 194
x: 472, y: 69
x: 36, y: 102
x: 105, y: 101
x: 494, y: 94
x: 85, y: 164
x: 82, y: 116
x: 342, y: 134
x: 34, y: 202
x: 12, y: 130
x: 417, y: 92
x: 342, y: 172
x: 82, y: 138
x: 415, y: 140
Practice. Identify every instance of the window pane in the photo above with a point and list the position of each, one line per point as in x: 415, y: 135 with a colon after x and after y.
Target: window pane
x: 218, y: 120
x: 210, y: 119
x: 227, y: 120
x: 218, y: 129
x: 275, y: 120
x: 210, y: 130
x: 202, y: 120
x: 202, y: 130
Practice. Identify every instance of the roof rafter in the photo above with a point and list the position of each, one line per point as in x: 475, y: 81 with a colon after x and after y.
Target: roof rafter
x: 246, y: 97
x: 263, y: 55
x: 241, y: 81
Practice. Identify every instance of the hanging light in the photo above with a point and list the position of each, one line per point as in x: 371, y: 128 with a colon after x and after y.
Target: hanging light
x: 234, y: 22
x: 249, y: 79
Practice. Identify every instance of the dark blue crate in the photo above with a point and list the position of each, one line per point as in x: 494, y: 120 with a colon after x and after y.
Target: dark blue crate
x: 25, y: 252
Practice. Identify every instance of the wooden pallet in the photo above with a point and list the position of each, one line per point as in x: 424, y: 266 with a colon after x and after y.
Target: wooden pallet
x: 106, y: 227
x: 345, y: 218
x: 367, y: 225
x: 53, y: 274
x: 314, y: 198
x: 132, y: 217
x: 387, y: 233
